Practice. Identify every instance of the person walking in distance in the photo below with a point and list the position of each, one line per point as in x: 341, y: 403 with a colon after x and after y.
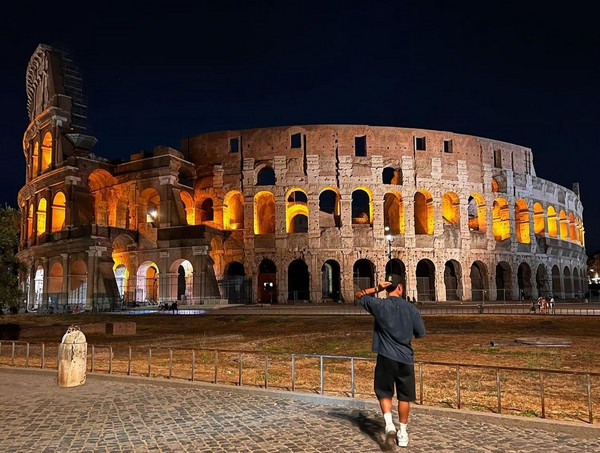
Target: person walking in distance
x: 396, y: 322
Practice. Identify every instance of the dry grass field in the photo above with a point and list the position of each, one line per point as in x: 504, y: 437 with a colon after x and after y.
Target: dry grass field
x: 455, y: 339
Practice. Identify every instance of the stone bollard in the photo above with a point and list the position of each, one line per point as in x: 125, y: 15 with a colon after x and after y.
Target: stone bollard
x: 72, y: 358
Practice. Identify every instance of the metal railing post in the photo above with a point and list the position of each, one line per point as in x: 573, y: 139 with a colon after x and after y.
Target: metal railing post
x: 170, y: 363
x: 498, y: 391
x: 542, y: 399
x: 93, y: 359
x: 266, y: 371
x: 216, y: 365
x: 421, y: 384
x: 193, y: 363
x: 27, y: 357
x: 293, y: 372
x: 322, y: 377
x: 110, y: 359
x: 129, y: 363
x: 12, y: 355
x: 589, y: 398
x: 240, y: 366
x: 457, y: 387
x: 149, y: 362
x: 352, y: 383
x: 43, y: 356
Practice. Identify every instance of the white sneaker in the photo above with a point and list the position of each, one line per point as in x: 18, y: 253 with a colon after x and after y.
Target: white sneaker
x: 390, y: 439
x: 402, y: 439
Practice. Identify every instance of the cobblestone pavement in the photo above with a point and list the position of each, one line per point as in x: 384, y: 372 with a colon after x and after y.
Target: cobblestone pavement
x: 138, y: 415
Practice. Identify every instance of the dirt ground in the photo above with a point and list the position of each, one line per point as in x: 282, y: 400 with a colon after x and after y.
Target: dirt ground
x: 450, y: 338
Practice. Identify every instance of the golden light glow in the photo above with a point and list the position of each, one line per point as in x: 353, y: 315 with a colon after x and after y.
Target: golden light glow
x: 522, y: 222
x: 294, y: 208
x: 264, y: 213
x: 551, y: 222
x: 450, y: 208
x: 477, y: 213
x: 233, y: 211
x: 35, y: 160
x: 365, y: 217
x: 393, y: 213
x: 56, y: 278
x: 494, y: 186
x: 572, y: 232
x: 30, y: 221
x: 150, y: 201
x: 46, y: 151
x: 500, y: 219
x: 424, y: 220
x: 41, y: 217
x: 190, y: 208
x: 564, y: 226
x: 58, y: 212
x: 539, y: 226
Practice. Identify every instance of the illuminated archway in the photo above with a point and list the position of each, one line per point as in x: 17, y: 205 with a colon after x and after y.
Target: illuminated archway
x: 539, y: 227
x: 182, y: 289
x: 147, y: 283
x: 100, y: 183
x: 41, y: 217
x: 551, y: 214
x: 393, y: 213
x: 329, y: 208
x: 424, y: 221
x: 38, y: 287
x: 564, y: 226
x: 121, y: 276
x: 494, y: 186
x: 190, y: 208
x: 500, y: 219
x: 296, y: 211
x: 58, y: 212
x: 35, y: 163
x: 479, y: 281
x: 572, y: 230
x: 476, y: 211
x: 30, y: 221
x: 522, y: 221
x: 233, y: 211
x: 450, y: 209
x: 55, y: 281
x: 206, y: 210
x: 362, y: 207
x: 46, y: 151
x: 330, y: 280
x: 150, y: 205
x: 264, y: 213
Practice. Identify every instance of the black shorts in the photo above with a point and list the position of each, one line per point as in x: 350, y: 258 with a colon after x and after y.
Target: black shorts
x: 388, y: 373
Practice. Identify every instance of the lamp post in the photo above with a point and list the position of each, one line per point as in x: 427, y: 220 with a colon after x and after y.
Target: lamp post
x: 390, y: 239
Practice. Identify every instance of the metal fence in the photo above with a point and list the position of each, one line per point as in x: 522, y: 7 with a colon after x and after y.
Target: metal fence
x: 490, y: 388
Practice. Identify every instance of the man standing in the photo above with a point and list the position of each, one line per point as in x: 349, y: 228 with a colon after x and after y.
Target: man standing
x: 396, y: 321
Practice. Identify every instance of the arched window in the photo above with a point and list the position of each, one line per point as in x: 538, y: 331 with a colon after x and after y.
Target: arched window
x: 35, y: 160
x: 572, y: 233
x: 46, y: 151
x: 362, y: 210
x: 150, y: 204
x: 424, y: 221
x: 392, y: 176
x: 265, y: 177
x: 564, y: 226
x: 522, y: 221
x: 30, y: 221
x: 476, y: 213
x: 296, y: 211
x: 264, y: 213
x: 233, y: 211
x: 58, y: 212
x: 450, y: 209
x: 41, y: 217
x: 500, y: 219
x: 552, y: 230
x: 393, y: 213
x: 207, y: 213
x: 190, y: 210
x: 329, y: 208
x: 539, y: 226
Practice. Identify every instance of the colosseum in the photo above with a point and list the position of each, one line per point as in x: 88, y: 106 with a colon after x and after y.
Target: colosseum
x: 282, y: 214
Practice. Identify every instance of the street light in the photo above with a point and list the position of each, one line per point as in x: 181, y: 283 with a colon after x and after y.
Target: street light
x: 390, y: 239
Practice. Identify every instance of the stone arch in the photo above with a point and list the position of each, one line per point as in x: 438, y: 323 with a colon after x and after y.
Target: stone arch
x: 78, y: 283
x: 522, y: 221
x: 551, y: 215
x: 55, y: 279
x: 58, y: 211
x: 564, y: 226
x: 453, y: 280
x: 233, y: 283
x: 123, y: 243
x: 503, y: 281
x: 30, y: 221
x: 539, y: 225
x: 147, y: 282
x: 190, y: 208
x: 556, y: 282
x: 500, y: 219
x: 46, y: 160
x: 35, y: 159
x: 267, y: 282
x: 524, y: 281
x: 576, y: 283
x: 264, y: 213
x: 363, y: 274
x: 424, y: 220
x: 479, y: 281
x: 397, y: 267
x: 121, y: 277
x: 393, y: 213
x: 572, y: 230
x: 541, y: 281
x: 476, y: 211
x: 298, y: 281
x: 362, y: 206
x: 450, y: 209
x: 296, y: 211
x: 330, y: 280
x: 150, y: 205
x: 206, y: 210
x: 391, y: 175
x: 41, y: 216
x: 181, y: 286
x: 217, y: 252
x: 99, y: 183
x: 265, y: 177
x: 425, y: 273
x: 567, y: 282
x: 329, y: 208
x: 233, y: 210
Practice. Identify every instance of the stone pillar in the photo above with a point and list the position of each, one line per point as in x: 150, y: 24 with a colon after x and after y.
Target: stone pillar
x: 92, y: 278
x: 46, y: 281
x: 164, y: 278
x: 440, y: 284
x: 65, y: 281
x: 31, y: 289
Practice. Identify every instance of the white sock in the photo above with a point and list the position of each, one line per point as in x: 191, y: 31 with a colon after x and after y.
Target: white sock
x: 389, y: 421
x: 402, y: 428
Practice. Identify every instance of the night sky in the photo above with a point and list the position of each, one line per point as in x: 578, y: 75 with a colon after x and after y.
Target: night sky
x: 156, y: 73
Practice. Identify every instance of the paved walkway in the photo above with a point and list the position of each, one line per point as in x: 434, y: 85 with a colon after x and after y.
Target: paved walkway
x: 120, y: 414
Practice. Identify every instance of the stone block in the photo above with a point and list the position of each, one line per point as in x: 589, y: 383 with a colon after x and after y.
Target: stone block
x: 121, y: 328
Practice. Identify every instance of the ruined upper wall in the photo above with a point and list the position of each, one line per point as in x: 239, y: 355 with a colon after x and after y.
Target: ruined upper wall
x: 391, y: 143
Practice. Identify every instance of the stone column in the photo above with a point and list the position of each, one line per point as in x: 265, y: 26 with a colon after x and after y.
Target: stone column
x: 65, y: 281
